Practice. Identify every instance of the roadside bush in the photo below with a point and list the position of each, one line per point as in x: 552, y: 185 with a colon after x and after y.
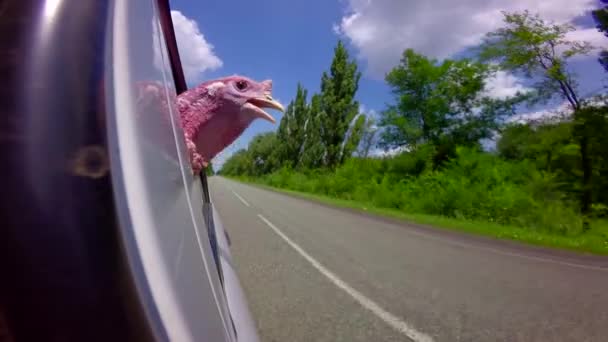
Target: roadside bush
x: 473, y: 185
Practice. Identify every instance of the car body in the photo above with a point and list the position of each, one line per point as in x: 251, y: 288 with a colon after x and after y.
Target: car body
x: 106, y: 233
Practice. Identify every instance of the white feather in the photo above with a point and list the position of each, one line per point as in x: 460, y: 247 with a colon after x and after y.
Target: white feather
x: 213, y: 87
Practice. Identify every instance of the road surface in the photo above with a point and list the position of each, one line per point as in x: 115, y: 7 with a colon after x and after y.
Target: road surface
x: 316, y: 273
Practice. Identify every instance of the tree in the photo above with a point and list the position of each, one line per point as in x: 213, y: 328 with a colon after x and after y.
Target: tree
x: 314, y: 150
x: 590, y: 127
x: 353, y: 137
x: 551, y: 145
x: 337, y: 106
x: 257, y: 160
x: 291, y: 132
x: 601, y: 19
x: 518, y: 142
x: 297, y: 126
x: 539, y: 49
x: 368, y: 137
x: 437, y: 103
x: 239, y: 164
x: 260, y: 151
x: 281, y: 152
x: 555, y: 147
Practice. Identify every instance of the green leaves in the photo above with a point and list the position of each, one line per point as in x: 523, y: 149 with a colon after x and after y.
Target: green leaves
x: 337, y: 107
x: 313, y: 149
x: 439, y: 114
x: 291, y: 133
x: 538, y: 49
x: 368, y: 137
x: 353, y: 137
x: 261, y: 151
x: 323, y: 133
x: 239, y: 164
x: 573, y: 151
x: 258, y: 159
x: 439, y: 103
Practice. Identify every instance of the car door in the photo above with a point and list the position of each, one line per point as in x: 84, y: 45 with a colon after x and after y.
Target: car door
x: 106, y: 235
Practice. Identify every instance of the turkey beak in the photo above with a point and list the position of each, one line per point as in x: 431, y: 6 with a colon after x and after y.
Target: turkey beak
x: 267, y: 101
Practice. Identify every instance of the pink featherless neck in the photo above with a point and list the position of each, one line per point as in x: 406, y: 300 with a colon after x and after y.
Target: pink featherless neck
x: 215, y: 113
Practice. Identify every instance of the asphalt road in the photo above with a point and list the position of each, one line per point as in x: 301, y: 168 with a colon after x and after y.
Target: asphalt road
x: 316, y: 273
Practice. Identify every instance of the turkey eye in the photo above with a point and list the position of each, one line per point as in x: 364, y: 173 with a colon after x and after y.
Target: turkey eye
x: 241, y: 85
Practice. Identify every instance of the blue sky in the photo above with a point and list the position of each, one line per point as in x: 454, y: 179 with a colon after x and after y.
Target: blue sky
x: 293, y: 41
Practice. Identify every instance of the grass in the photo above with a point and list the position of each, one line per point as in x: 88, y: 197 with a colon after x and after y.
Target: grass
x: 593, y: 242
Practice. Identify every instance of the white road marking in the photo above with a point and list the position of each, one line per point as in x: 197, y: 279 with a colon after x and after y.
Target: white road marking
x: 241, y: 198
x: 390, y: 319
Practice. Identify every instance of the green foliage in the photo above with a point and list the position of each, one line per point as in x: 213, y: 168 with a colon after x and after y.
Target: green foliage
x: 590, y: 127
x: 474, y: 186
x: 540, y: 49
x: 291, y: 132
x: 327, y: 131
x: 545, y: 177
x: 337, y: 106
x: 239, y: 164
x: 353, y: 137
x: 552, y: 146
x: 261, y: 156
x: 282, y: 151
x: 529, y: 44
x: 314, y: 149
x: 440, y: 104
x: 566, y: 149
x: 368, y: 137
x: 431, y: 98
x: 413, y: 163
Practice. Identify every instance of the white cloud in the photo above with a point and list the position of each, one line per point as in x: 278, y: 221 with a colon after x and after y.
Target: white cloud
x: 196, y: 54
x: 561, y: 110
x: 382, y: 29
x: 369, y: 112
x: 362, y: 108
x: 591, y: 35
x: 380, y: 153
x: 504, y: 84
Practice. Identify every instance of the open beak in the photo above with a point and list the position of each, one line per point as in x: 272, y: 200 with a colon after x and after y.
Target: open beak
x: 266, y: 102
